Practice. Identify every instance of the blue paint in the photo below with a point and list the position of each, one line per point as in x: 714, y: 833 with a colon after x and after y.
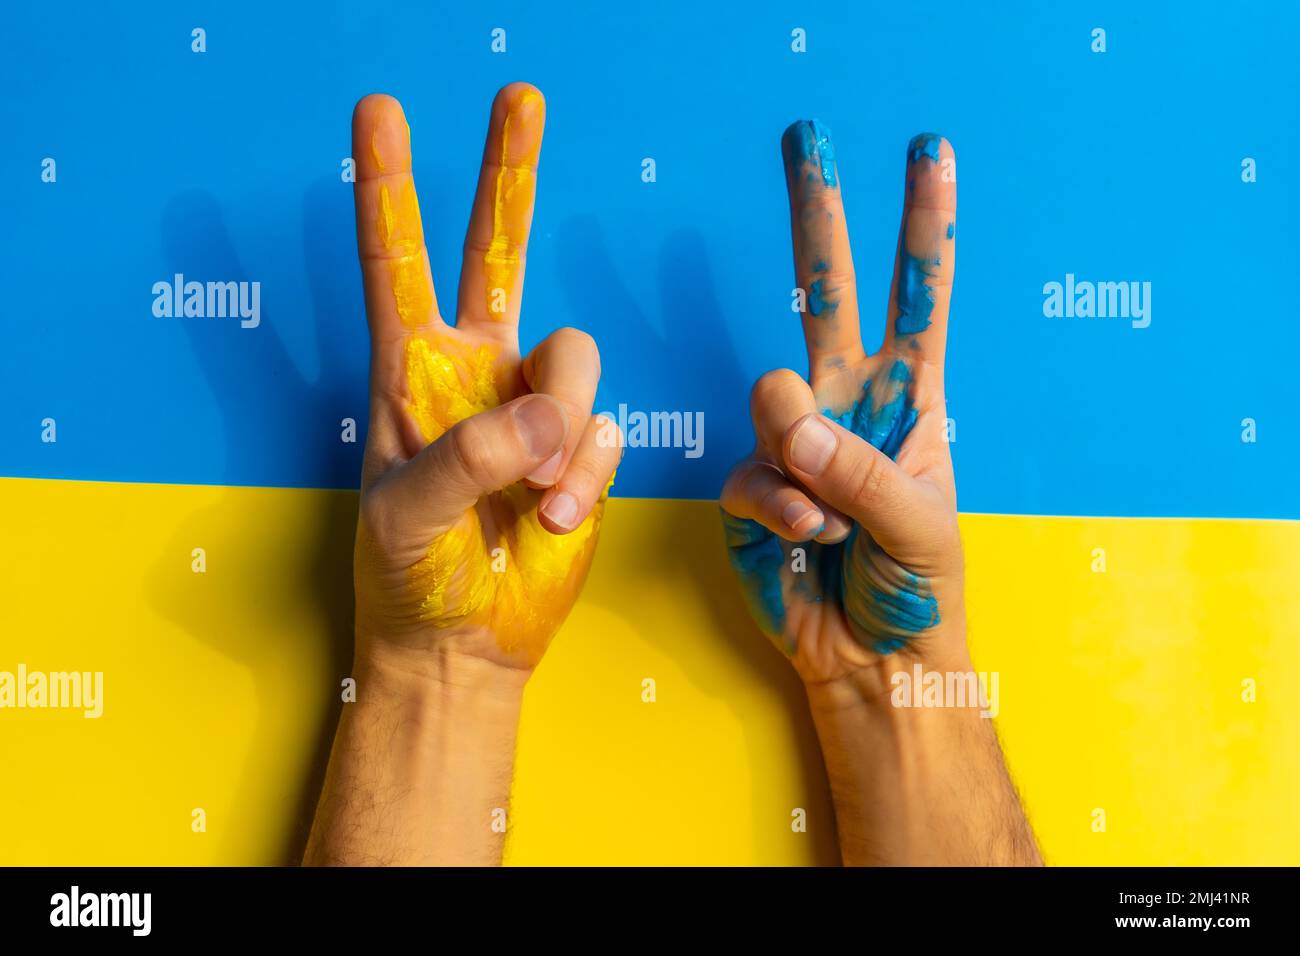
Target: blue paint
x: 952, y: 229
x: 885, y: 604
x: 757, y: 556
x: 809, y: 141
x: 923, y: 144
x: 911, y: 608
x: 914, y: 298
x: 817, y: 301
x: 885, y: 614
x: 887, y: 426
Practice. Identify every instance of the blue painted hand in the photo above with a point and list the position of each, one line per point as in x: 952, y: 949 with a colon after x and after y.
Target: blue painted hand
x: 842, y: 524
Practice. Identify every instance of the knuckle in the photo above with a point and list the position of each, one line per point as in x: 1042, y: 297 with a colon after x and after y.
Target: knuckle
x: 868, y: 479
x: 837, y: 279
x: 471, y: 452
x: 584, y: 477
x: 574, y: 339
x: 733, y: 489
x: 584, y: 473
x: 772, y: 384
x: 375, y: 520
x: 579, y: 343
x: 608, y: 434
x: 769, y: 499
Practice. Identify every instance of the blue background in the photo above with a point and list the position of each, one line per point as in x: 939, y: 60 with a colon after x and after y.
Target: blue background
x: 225, y: 165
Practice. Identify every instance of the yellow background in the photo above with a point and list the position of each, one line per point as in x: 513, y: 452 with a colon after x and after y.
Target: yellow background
x: 1119, y: 690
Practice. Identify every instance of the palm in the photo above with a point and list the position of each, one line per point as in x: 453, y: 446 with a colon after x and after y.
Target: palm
x: 497, y: 575
x: 816, y: 625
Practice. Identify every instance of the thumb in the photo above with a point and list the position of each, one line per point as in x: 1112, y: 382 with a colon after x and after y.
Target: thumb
x: 482, y: 454
x: 856, y: 477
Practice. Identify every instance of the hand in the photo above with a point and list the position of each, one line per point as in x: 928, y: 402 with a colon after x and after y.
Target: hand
x: 485, y: 474
x: 842, y: 525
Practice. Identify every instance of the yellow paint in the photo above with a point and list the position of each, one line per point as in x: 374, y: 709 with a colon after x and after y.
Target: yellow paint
x: 512, y: 203
x: 455, y: 582
x: 412, y: 291
x: 1119, y: 690
x: 446, y: 386
x: 398, y: 222
x: 375, y: 152
x: 524, y: 600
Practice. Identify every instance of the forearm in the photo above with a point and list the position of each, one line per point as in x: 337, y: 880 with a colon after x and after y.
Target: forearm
x: 421, y: 764
x: 916, y: 786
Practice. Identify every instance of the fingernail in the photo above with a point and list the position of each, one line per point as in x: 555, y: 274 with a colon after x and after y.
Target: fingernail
x: 802, y: 519
x: 548, y: 472
x: 835, y: 530
x: 924, y: 144
x: 812, y: 446
x: 541, y: 425
x: 562, y: 510
x: 809, y: 142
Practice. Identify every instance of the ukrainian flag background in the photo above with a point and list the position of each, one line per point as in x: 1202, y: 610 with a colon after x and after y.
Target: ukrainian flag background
x: 1155, y: 686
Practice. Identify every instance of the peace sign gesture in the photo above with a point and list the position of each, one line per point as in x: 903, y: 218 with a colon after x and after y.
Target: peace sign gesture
x: 485, y: 474
x: 842, y: 524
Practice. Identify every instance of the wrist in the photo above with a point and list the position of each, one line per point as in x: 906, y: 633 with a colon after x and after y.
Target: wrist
x: 879, y: 688
x: 915, y: 769
x: 439, y: 679
x: 421, y: 764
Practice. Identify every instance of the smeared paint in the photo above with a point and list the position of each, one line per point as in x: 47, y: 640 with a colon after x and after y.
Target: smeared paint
x: 446, y: 388
x: 924, y: 144
x: 412, y: 291
x: 512, y: 202
x: 398, y: 223
x: 885, y: 424
x: 757, y: 555
x: 914, y: 296
x: 808, y: 142
x: 377, y: 155
x: 952, y: 229
x: 817, y: 300
x: 524, y: 600
x: 886, y: 604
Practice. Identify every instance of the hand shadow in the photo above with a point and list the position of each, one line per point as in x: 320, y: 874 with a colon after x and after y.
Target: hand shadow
x: 681, y: 369
x: 280, y: 572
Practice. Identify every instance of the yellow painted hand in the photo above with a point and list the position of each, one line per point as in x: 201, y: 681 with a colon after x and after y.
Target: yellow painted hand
x: 485, y: 473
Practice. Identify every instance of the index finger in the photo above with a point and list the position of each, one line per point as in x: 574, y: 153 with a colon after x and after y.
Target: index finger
x: 390, y: 235
x: 823, y: 263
